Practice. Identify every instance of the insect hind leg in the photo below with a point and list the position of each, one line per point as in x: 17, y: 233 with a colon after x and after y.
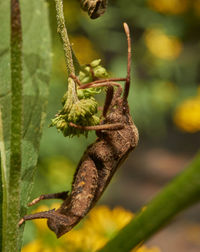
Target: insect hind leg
x: 40, y: 215
x: 57, y: 222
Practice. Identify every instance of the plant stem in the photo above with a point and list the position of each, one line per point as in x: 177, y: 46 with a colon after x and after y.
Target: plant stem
x: 11, y: 239
x: 62, y: 30
x: 182, y: 192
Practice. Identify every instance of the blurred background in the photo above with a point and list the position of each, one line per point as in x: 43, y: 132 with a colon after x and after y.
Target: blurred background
x: 164, y: 102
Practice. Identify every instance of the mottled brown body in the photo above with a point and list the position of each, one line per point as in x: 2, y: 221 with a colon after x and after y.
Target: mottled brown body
x: 117, y: 137
x: 97, y: 166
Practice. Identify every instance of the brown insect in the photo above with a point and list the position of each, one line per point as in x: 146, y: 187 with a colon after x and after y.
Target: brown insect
x: 117, y: 137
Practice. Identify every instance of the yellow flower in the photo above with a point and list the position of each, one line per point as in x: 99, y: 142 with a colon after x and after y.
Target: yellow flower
x: 34, y: 246
x: 161, y: 45
x: 93, y: 233
x: 169, y: 6
x: 101, y: 225
x: 107, y: 222
x: 187, y: 115
x: 145, y: 249
x: 38, y: 246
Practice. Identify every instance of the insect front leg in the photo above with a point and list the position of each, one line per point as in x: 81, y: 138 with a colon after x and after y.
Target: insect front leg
x: 60, y: 195
x: 111, y: 96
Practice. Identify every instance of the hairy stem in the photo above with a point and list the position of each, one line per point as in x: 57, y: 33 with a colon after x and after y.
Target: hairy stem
x: 62, y: 30
x: 13, y: 204
x: 182, y: 192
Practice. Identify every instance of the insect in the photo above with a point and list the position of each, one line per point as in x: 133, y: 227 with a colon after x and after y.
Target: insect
x: 95, y: 8
x: 117, y: 137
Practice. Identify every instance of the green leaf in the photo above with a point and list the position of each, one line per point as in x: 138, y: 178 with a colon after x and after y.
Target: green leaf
x: 5, y: 108
x: 23, y: 102
x: 182, y: 192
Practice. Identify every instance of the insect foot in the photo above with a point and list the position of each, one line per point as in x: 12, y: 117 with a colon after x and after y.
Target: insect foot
x: 117, y: 136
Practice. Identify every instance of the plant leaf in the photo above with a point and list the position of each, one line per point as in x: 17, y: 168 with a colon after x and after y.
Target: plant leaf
x: 36, y: 65
x: 5, y: 107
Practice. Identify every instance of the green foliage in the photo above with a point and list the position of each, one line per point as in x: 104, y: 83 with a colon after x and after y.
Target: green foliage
x: 94, y: 68
x: 21, y: 131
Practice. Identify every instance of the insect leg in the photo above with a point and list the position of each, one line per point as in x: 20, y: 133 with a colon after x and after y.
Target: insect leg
x: 106, y: 83
x: 40, y: 215
x: 50, y: 215
x: 75, y: 78
x: 101, y: 83
x: 60, y: 195
x: 113, y: 126
x: 109, y: 97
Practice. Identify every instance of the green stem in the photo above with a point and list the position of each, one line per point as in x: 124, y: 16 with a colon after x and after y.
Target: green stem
x: 62, y: 30
x: 182, y: 192
x: 71, y: 94
x: 11, y: 238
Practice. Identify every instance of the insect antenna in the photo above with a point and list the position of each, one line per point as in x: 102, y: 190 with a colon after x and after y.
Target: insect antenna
x: 127, y: 84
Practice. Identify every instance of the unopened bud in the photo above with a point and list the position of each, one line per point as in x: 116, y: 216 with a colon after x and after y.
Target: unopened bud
x: 95, y: 63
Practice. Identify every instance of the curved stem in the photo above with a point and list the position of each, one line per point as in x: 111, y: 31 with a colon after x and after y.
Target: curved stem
x: 62, y: 30
x: 182, y: 192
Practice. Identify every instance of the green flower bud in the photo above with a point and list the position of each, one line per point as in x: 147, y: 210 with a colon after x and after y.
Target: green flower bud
x: 100, y: 72
x: 95, y: 63
x: 85, y: 75
x: 82, y: 109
